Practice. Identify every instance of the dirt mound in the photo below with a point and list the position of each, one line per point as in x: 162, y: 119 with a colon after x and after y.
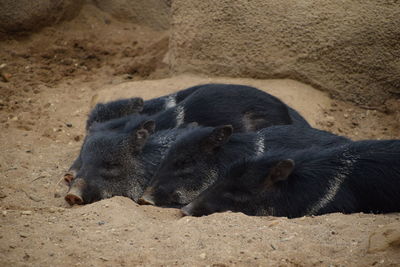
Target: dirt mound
x: 348, y: 49
x: 118, y: 232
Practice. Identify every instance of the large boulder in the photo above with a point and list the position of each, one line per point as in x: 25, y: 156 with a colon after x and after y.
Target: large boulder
x: 152, y: 13
x: 28, y: 15
x: 349, y: 48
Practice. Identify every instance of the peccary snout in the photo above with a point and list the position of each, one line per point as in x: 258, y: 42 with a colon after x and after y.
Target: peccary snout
x: 187, y: 210
x: 74, y: 195
x: 147, y: 198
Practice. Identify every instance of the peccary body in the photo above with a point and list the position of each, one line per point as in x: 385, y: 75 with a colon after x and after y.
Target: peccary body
x: 123, y: 107
x: 246, y: 108
x: 119, y: 162
x: 198, y: 158
x: 361, y: 176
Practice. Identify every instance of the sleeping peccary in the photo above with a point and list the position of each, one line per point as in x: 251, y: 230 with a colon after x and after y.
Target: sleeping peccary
x: 361, y: 176
x: 198, y: 158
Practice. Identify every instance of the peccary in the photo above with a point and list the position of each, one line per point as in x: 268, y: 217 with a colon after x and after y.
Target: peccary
x: 250, y: 109
x: 361, y: 176
x: 114, y: 115
x: 119, y: 108
x: 198, y: 158
x: 246, y: 108
x: 113, y: 125
x: 119, y: 162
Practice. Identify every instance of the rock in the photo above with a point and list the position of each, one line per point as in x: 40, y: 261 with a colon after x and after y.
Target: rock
x: 104, y: 259
x: 331, y: 45
x: 26, y: 15
x: 203, y: 256
x: 23, y: 235
x: 26, y: 212
x: 385, y: 238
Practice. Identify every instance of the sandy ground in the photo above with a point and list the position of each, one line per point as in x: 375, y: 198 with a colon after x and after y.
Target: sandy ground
x: 51, y: 80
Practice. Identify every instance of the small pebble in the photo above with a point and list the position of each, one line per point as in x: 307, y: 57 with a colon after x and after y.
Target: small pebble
x: 26, y: 212
x: 202, y: 256
x: 23, y: 235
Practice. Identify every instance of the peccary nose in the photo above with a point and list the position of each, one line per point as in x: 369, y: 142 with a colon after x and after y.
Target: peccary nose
x: 73, y: 199
x: 74, y: 195
x: 147, y: 198
x: 187, y: 210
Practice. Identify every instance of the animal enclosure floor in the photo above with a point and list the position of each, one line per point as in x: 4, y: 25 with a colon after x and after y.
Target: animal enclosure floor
x: 55, y: 76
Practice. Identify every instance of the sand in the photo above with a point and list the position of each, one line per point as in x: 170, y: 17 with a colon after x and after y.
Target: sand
x: 56, y: 75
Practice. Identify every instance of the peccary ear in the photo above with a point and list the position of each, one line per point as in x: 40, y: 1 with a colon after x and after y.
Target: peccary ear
x: 94, y: 115
x: 150, y: 126
x: 218, y: 137
x: 138, y: 139
x: 279, y: 172
x: 91, y: 128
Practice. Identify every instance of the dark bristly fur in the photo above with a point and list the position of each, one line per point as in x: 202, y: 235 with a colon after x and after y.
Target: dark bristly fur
x: 196, y: 160
x: 123, y: 107
x: 246, y: 108
x: 121, y: 163
x: 361, y: 176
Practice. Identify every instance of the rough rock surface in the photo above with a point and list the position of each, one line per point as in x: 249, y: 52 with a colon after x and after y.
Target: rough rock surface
x: 26, y: 15
x: 152, y: 13
x: 349, y: 48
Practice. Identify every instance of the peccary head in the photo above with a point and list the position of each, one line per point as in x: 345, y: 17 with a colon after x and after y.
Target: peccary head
x: 115, y: 109
x: 251, y: 188
x: 188, y: 168
x: 110, y: 165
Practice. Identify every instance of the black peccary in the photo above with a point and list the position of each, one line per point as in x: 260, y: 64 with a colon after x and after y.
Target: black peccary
x: 198, y: 158
x: 115, y: 115
x: 244, y: 107
x: 361, y: 176
x: 119, y: 163
x: 114, y: 125
x: 119, y: 108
